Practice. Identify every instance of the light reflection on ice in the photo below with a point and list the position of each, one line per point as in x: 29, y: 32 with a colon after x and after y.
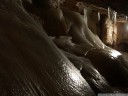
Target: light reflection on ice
x: 115, y: 53
x: 75, y: 77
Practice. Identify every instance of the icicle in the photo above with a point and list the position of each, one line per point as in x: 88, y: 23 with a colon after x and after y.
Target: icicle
x: 126, y: 18
x: 115, y: 17
x: 108, y: 13
x: 85, y: 11
x: 85, y: 16
x: 98, y: 16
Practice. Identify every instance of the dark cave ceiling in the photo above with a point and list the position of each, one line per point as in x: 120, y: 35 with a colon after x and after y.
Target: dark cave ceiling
x: 121, y: 6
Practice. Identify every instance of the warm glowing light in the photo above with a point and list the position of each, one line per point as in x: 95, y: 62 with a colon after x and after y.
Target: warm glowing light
x: 115, y: 53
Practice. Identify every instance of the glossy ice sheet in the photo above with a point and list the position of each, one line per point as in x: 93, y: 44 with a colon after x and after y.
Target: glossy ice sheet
x: 91, y: 74
x: 30, y: 64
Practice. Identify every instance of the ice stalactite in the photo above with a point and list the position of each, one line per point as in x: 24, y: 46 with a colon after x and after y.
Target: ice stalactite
x: 111, y: 27
x: 88, y: 35
x: 98, y: 16
x: 108, y: 13
x: 114, y: 32
x: 126, y: 18
x: 114, y: 16
x: 85, y: 17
